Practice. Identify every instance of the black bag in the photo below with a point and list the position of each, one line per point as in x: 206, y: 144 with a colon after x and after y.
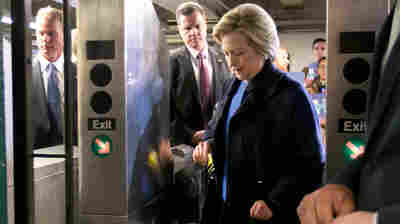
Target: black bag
x: 190, y: 182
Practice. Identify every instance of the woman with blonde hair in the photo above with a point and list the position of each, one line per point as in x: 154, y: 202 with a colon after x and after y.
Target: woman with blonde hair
x: 266, y: 146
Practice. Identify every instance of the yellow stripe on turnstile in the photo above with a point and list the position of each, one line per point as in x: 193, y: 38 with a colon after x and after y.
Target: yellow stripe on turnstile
x: 210, y: 165
x: 210, y: 160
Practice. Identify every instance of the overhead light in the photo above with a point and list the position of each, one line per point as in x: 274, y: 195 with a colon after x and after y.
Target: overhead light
x: 73, y: 3
x: 32, y: 25
x: 6, y: 20
x: 292, y: 4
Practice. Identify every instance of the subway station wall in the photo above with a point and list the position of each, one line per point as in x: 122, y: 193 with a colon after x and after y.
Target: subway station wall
x: 299, y: 47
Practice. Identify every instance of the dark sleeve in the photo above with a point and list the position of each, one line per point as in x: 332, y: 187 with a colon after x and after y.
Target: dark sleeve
x: 172, y: 113
x: 349, y: 175
x: 179, y: 131
x: 172, y: 89
x: 304, y: 171
x: 211, y: 125
x: 389, y: 214
x: 217, y: 111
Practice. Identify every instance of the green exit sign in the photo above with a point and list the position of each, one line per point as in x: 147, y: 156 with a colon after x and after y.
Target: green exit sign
x: 353, y: 148
x: 102, y: 145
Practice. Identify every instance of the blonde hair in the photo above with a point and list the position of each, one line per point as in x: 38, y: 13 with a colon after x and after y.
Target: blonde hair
x: 187, y: 8
x: 50, y: 14
x: 255, y: 23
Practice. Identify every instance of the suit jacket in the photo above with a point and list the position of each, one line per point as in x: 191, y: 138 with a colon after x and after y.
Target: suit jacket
x: 186, y: 115
x: 274, y: 150
x: 374, y: 177
x: 44, y: 132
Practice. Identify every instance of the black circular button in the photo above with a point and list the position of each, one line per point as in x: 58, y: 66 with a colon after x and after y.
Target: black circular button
x: 101, y: 75
x: 101, y: 102
x: 356, y: 70
x: 355, y: 101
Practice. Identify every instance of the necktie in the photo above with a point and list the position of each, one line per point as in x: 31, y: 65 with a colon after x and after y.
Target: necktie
x: 205, y: 86
x: 53, y: 97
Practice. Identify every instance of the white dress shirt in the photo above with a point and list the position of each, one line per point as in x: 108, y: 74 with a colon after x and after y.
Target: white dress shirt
x: 59, y: 64
x: 196, y: 64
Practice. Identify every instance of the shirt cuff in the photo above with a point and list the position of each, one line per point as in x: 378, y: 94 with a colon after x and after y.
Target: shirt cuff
x: 375, y: 219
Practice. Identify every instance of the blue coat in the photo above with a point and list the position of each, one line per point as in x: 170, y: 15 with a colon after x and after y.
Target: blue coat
x: 274, y: 151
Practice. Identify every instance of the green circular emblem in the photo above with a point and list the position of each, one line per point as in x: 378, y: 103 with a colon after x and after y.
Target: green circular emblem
x: 353, y: 147
x: 102, y: 145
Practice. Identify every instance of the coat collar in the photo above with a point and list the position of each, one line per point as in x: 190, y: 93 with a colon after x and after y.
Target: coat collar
x: 265, y: 81
x: 260, y: 88
x: 195, y: 53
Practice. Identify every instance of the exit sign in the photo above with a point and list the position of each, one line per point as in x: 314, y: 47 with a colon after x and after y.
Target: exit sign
x: 352, y: 126
x: 101, y: 124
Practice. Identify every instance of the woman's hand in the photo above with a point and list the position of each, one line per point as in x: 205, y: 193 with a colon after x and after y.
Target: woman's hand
x: 200, y: 153
x: 260, y: 211
x: 198, y: 136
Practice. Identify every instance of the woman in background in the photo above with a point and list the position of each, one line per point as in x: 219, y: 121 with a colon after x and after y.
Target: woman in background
x: 282, y: 59
x: 318, y: 92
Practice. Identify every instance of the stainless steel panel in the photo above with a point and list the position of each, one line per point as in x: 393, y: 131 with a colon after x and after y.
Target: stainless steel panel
x: 346, y: 16
x: 7, y: 125
x: 126, y: 185
x: 3, y: 153
x: 103, y: 185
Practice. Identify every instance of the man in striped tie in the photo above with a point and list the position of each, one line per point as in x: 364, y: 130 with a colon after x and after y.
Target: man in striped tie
x: 198, y: 73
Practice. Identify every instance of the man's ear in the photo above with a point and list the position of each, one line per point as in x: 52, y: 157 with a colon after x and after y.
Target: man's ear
x: 179, y: 30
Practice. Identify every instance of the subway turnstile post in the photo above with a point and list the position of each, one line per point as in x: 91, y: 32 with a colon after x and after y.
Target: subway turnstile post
x: 123, y: 85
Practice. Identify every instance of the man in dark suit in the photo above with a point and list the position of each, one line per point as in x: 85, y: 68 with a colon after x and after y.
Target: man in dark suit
x: 198, y: 73
x: 48, y: 80
x: 367, y: 191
